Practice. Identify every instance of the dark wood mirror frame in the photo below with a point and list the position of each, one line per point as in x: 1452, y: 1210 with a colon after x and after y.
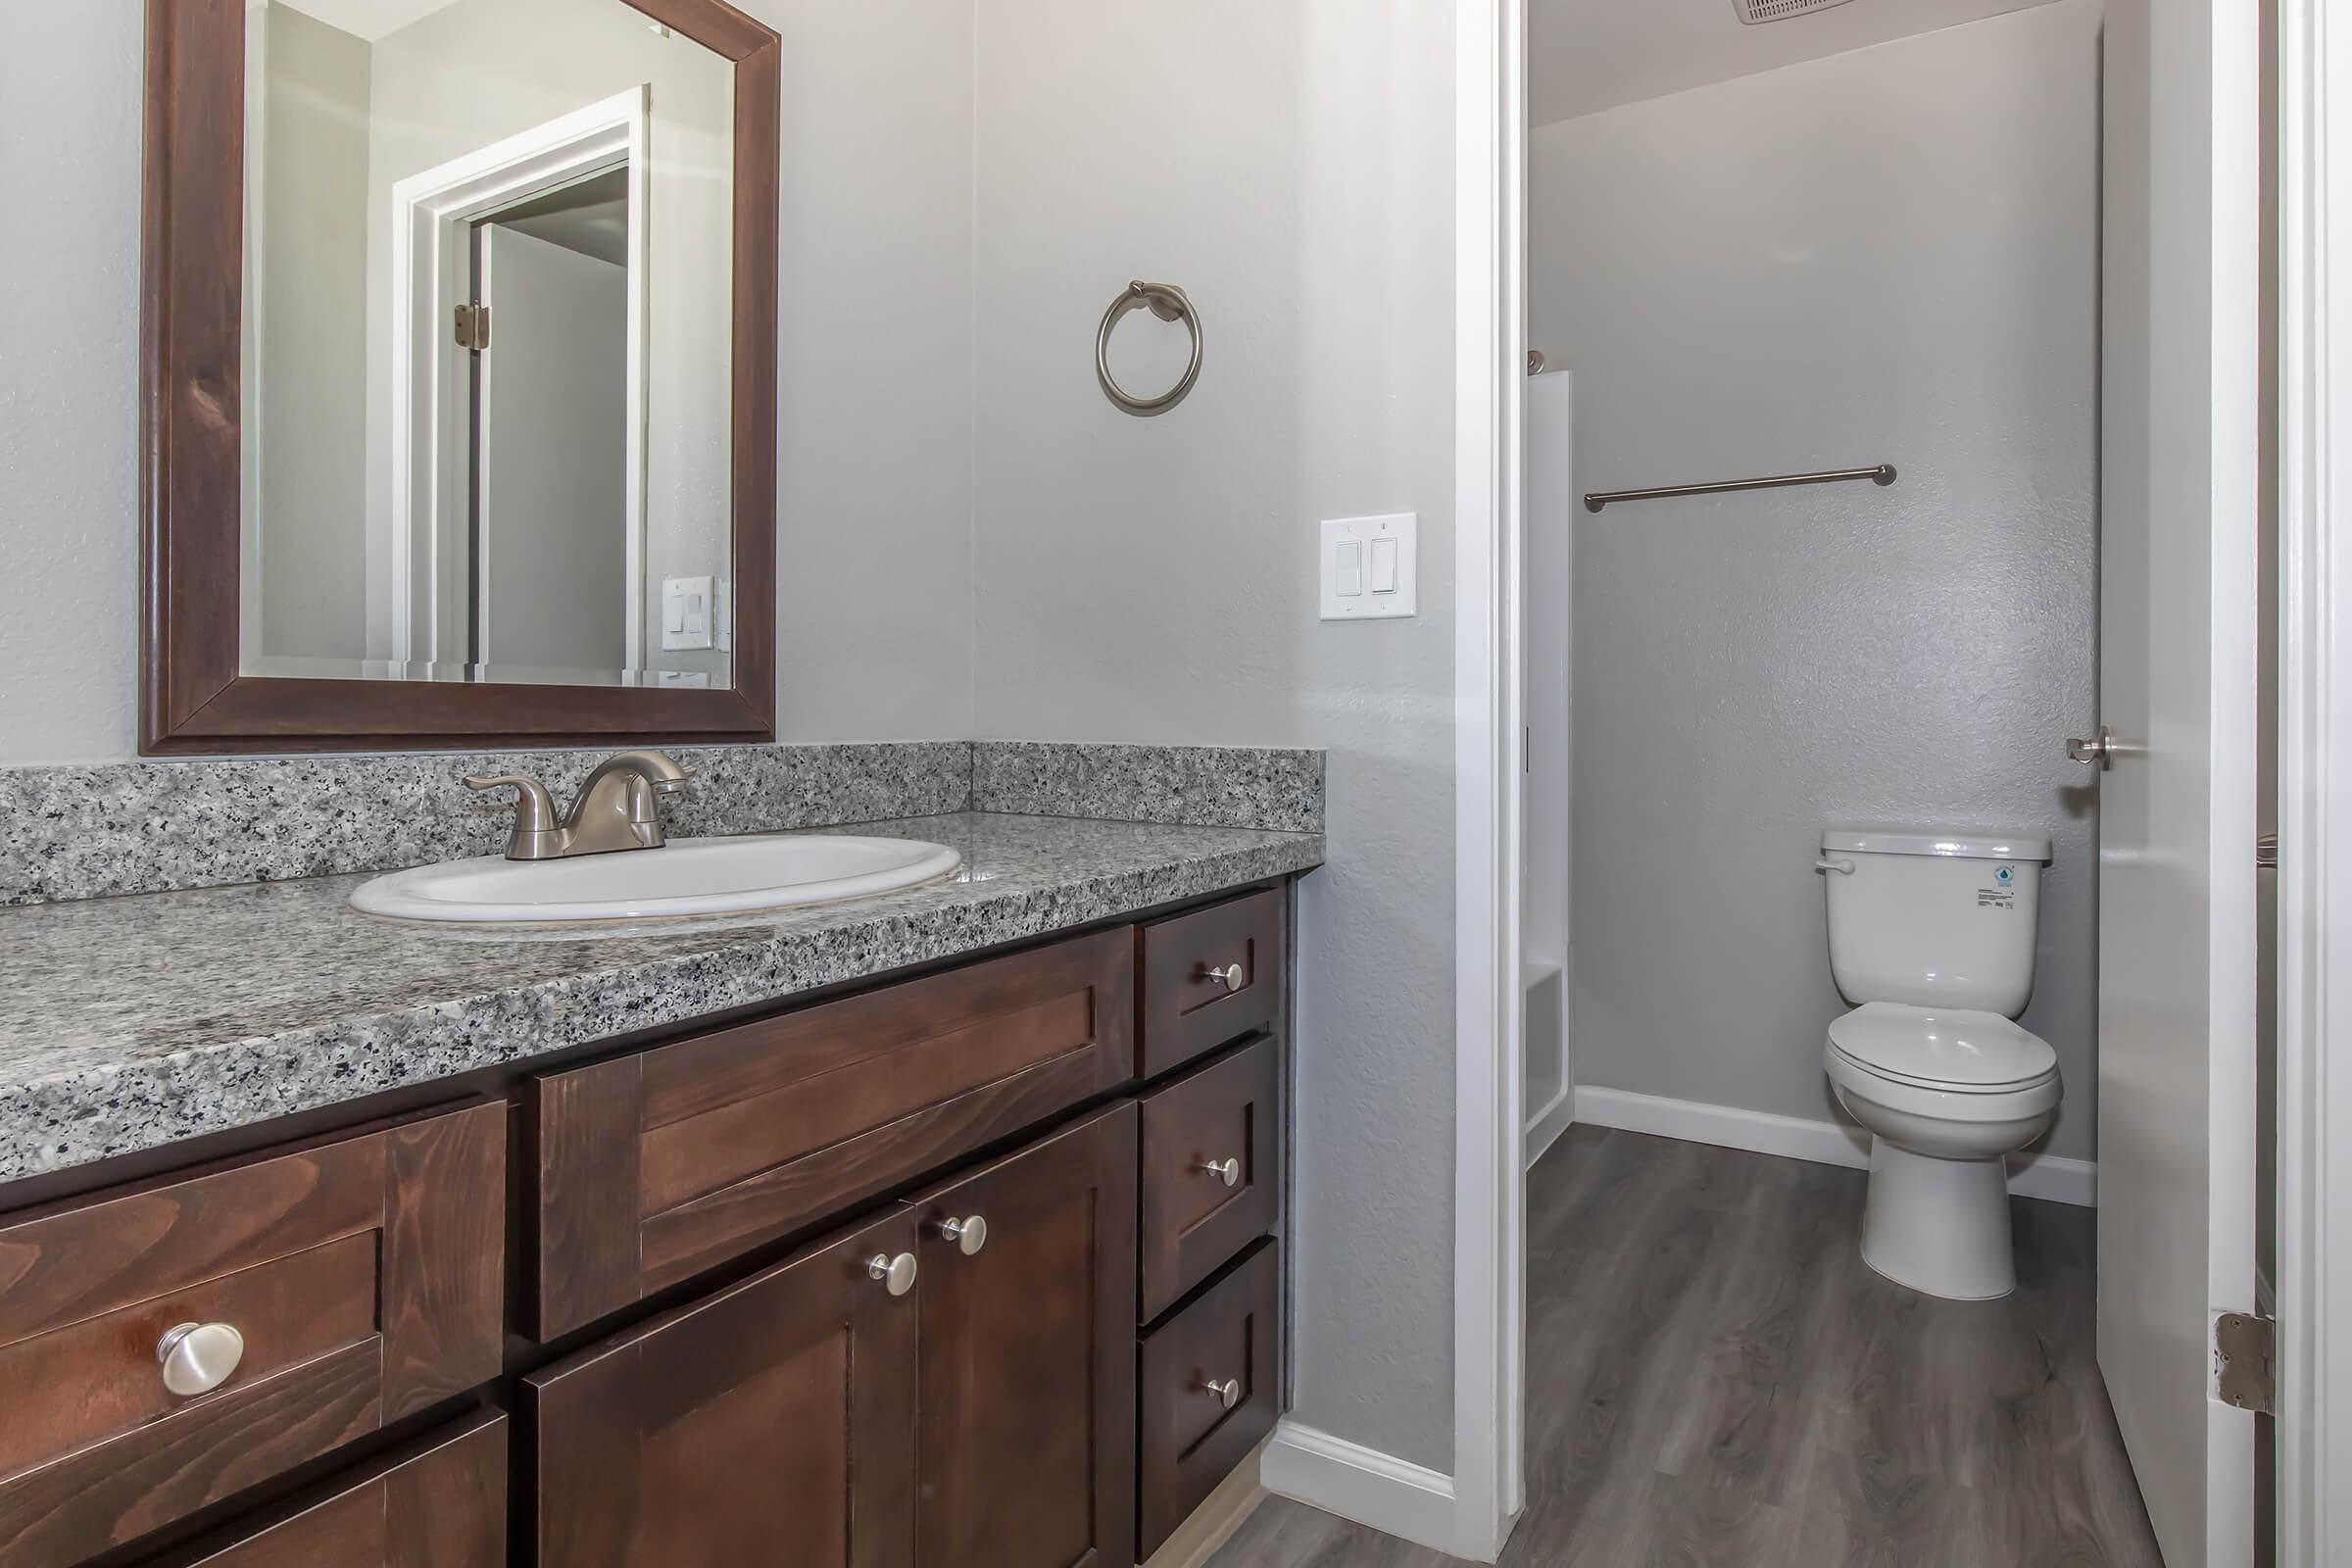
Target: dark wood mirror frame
x: 192, y: 696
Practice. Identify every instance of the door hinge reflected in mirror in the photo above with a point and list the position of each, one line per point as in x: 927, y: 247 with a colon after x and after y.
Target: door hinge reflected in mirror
x: 2243, y: 1361
x: 473, y: 326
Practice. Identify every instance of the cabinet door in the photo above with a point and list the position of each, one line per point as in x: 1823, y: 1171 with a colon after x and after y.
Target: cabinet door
x: 1027, y: 1436
x: 767, y: 1424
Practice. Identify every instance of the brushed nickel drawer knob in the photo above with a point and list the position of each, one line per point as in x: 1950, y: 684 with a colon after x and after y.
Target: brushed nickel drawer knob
x: 1230, y: 978
x: 895, y: 1273
x: 1227, y: 1394
x: 969, y: 1234
x: 198, y: 1357
x: 1228, y: 1171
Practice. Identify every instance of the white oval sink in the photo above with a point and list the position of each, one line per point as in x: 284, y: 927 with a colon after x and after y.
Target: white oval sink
x: 686, y: 876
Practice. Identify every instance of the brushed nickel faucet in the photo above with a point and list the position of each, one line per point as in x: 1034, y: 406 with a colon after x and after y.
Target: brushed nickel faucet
x: 618, y: 808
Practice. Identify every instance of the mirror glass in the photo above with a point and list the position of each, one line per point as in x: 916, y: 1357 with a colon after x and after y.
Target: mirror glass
x: 487, y: 344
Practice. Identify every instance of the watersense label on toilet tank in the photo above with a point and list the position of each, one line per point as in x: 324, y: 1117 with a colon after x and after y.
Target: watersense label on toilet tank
x: 2003, y: 895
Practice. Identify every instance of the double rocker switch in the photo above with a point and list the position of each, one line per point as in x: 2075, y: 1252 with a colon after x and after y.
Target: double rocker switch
x: 1350, y: 567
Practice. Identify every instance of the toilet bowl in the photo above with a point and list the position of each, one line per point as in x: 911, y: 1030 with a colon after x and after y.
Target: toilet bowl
x: 1946, y: 1096
x: 1931, y: 934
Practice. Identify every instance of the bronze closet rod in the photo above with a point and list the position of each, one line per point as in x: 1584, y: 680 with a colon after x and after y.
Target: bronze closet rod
x: 1883, y: 475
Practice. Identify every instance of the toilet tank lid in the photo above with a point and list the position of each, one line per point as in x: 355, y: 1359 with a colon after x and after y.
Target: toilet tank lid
x: 1965, y: 844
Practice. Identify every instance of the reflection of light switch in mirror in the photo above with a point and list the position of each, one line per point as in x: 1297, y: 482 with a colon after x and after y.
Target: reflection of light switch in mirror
x: 687, y: 612
x: 1368, y: 567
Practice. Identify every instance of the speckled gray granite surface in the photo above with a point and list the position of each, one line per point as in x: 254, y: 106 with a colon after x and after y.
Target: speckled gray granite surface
x: 126, y: 1023
x: 1211, y: 786
x: 141, y: 828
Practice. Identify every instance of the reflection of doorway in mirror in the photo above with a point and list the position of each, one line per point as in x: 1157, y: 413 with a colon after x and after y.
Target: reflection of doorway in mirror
x: 484, y: 543
x: 551, y: 535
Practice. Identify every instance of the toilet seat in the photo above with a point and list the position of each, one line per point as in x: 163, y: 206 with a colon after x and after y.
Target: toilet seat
x: 1952, y: 1051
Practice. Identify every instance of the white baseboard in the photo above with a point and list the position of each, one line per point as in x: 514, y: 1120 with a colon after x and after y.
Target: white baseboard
x: 1222, y: 1512
x: 1551, y: 1121
x: 1824, y: 1142
x: 1381, y: 1490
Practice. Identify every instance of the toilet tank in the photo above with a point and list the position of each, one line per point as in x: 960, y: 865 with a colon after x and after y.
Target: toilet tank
x: 1935, y: 917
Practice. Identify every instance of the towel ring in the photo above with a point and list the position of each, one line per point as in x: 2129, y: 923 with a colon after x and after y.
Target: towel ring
x: 1170, y: 304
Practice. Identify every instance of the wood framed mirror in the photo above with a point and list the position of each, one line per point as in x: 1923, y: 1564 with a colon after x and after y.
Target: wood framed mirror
x: 459, y: 375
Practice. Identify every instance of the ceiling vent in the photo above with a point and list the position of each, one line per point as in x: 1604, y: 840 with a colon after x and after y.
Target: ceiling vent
x: 1752, y: 12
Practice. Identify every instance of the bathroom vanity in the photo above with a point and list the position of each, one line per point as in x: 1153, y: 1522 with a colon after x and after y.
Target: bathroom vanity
x: 969, y: 1260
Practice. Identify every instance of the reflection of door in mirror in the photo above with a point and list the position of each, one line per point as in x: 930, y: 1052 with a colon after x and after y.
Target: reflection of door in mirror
x: 469, y: 455
x: 553, y: 535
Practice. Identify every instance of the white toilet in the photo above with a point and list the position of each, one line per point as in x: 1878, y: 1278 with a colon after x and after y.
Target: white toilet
x: 1933, y: 933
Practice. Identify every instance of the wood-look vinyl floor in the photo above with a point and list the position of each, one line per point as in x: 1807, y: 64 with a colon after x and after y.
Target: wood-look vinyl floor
x: 1716, y: 1378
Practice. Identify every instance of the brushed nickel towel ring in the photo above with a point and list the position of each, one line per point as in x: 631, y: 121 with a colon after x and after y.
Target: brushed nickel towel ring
x: 1170, y: 304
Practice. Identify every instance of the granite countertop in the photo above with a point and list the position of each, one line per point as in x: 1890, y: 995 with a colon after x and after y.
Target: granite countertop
x: 129, y: 1023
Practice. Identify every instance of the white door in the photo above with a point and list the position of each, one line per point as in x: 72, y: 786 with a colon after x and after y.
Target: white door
x: 2176, y: 819
x: 550, y: 548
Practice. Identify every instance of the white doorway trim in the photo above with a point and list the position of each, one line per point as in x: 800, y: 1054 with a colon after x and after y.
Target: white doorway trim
x: 430, y: 400
x: 1489, y: 349
x: 2315, y: 790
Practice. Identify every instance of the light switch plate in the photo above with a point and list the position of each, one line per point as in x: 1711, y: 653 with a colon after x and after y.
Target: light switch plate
x: 1399, y: 531
x: 689, y: 612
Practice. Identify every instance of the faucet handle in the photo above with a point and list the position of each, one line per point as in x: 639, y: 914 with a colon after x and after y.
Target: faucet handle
x: 534, y: 808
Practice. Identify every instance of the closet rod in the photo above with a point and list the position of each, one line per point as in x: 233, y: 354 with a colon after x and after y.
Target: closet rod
x: 1883, y: 475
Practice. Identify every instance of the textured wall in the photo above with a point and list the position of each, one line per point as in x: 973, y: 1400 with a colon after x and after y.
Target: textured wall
x: 1155, y: 579
x: 1904, y: 268
x: 70, y: 97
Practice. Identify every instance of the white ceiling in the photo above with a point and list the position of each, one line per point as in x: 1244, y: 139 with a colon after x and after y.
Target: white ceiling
x: 366, y: 20
x: 1587, y: 55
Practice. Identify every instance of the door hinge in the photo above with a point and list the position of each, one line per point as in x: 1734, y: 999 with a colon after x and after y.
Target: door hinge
x: 473, y: 326
x: 2243, y: 1347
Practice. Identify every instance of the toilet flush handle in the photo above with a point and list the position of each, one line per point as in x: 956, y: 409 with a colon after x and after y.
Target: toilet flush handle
x: 1842, y: 867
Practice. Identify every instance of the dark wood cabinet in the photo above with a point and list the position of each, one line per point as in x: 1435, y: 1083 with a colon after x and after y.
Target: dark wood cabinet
x: 772, y: 1422
x: 953, y: 1380
x: 1211, y: 1169
x: 364, y: 1275
x: 1210, y: 1391
x: 1027, y: 1384
x: 440, y: 1503
x: 656, y: 1166
x: 1210, y: 977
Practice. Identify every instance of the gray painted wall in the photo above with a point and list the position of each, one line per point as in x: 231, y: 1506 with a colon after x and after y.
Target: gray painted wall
x: 69, y: 96
x: 1289, y: 165
x: 1887, y: 255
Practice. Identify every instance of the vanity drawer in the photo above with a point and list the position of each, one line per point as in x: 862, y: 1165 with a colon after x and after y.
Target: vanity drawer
x: 1210, y: 978
x: 1211, y: 1169
x: 654, y: 1167
x: 440, y: 1503
x: 363, y: 1273
x: 1227, y: 1340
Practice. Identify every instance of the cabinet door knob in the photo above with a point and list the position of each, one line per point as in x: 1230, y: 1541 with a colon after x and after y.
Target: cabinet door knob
x: 198, y: 1357
x: 1230, y: 978
x: 1227, y: 1394
x: 895, y: 1273
x: 1228, y: 1171
x: 969, y: 1235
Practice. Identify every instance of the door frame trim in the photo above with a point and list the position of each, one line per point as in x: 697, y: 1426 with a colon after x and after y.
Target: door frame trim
x: 431, y: 213
x: 2314, y: 789
x: 1490, y: 1240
